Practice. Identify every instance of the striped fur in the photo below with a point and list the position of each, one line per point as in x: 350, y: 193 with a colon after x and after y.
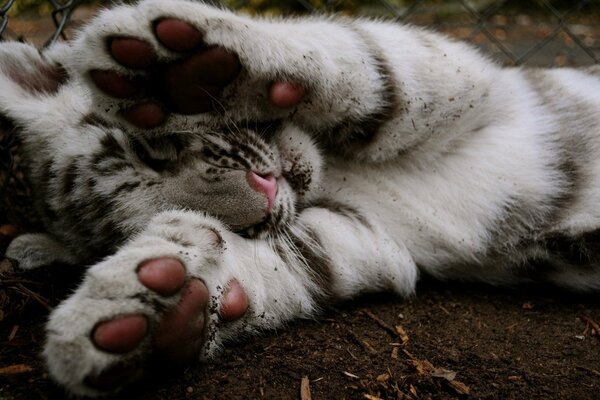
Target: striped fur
x: 411, y: 154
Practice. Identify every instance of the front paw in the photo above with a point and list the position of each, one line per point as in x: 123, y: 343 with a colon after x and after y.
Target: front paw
x: 159, y: 299
x: 146, y: 62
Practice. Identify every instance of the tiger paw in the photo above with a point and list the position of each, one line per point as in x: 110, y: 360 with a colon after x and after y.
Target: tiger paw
x: 160, y: 299
x: 144, y: 67
x: 178, y: 338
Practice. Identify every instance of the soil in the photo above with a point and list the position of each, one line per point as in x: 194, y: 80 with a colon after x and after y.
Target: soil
x: 450, y: 341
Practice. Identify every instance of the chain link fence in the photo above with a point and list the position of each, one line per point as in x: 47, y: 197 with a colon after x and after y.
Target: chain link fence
x: 60, y: 14
x: 534, y: 32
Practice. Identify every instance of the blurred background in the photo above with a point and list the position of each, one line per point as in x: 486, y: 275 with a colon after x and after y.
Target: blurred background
x: 530, y: 32
x: 504, y: 345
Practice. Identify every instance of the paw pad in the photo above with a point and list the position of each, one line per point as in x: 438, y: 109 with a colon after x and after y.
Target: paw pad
x: 190, y: 84
x: 121, y: 334
x: 165, y: 276
x: 177, y: 35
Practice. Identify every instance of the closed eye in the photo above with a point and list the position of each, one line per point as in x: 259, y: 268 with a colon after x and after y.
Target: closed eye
x: 155, y: 164
x: 154, y: 160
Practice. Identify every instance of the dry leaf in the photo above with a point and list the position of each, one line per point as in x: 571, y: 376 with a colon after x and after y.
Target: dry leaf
x: 412, y: 390
x: 371, y: 397
x: 444, y: 373
x: 402, y: 334
x: 305, y: 389
x: 527, y: 306
x: 423, y: 366
x: 460, y: 387
x: 595, y: 326
x: 383, y: 377
x: 9, y: 231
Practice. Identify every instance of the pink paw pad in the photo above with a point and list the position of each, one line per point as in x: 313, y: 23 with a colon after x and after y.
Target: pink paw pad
x: 132, y: 53
x: 191, y: 84
x: 121, y: 334
x: 180, y: 332
x: 177, y: 35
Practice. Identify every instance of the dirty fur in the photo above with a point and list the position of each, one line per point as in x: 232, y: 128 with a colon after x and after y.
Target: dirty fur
x: 411, y: 154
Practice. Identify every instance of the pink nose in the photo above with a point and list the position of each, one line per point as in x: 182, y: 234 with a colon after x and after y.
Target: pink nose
x: 264, y: 184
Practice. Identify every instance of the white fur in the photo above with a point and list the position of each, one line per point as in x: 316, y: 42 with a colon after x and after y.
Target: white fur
x: 467, y: 141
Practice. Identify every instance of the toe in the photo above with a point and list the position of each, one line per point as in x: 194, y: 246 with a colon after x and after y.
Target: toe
x: 235, y: 302
x: 286, y: 94
x: 132, y: 53
x: 164, y: 276
x: 177, y: 35
x: 114, y: 84
x: 181, y: 331
x: 121, y: 334
x: 193, y: 85
x: 146, y: 115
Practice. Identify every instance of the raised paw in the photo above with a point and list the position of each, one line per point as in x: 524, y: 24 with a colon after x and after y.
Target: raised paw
x: 189, y: 85
x: 176, y: 67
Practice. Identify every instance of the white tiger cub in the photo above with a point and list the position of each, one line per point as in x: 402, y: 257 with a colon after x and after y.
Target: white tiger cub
x: 408, y: 153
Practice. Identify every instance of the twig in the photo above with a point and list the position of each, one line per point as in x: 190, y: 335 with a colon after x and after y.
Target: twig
x: 381, y: 323
x: 591, y: 371
x: 350, y: 375
x: 363, y: 343
x: 13, y: 333
x: 444, y: 309
x: 369, y: 347
x: 352, y: 355
x: 41, y: 300
x: 13, y: 281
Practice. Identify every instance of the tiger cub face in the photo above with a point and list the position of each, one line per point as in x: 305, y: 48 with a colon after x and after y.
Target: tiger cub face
x: 251, y: 181
x: 97, y: 181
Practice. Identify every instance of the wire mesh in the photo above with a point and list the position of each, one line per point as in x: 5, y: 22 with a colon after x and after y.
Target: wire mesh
x: 61, y: 14
x: 534, y: 32
x: 3, y: 17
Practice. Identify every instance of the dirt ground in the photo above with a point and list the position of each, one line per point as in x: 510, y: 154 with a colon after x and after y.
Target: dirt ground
x: 450, y: 341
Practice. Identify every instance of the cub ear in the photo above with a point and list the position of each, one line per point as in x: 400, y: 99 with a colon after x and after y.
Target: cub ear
x: 24, y: 69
